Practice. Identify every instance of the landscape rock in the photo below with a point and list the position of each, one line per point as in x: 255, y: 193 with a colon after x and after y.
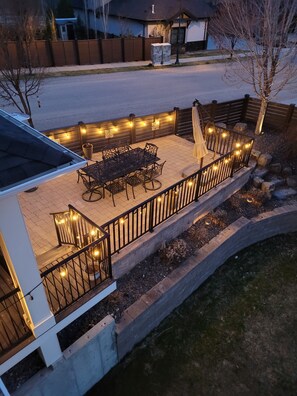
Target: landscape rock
x: 275, y: 168
x: 287, y: 171
x: 257, y: 181
x: 264, y: 159
x: 221, y: 125
x: 240, y: 127
x: 277, y: 181
x: 256, y: 154
x: 267, y: 187
x: 260, y: 172
x: 292, y: 181
x: 284, y: 193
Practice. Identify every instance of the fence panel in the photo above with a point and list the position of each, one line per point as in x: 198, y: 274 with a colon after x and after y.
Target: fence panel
x: 112, y: 50
x: 58, y: 53
x: 44, y: 53
x: 147, y: 46
x: 133, y: 49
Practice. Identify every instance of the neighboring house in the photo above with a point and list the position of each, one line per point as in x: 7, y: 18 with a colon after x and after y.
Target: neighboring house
x: 186, y: 19
x: 28, y: 319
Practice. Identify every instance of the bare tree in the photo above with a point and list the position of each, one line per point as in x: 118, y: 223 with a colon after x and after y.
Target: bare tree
x: 261, y: 27
x: 104, y: 7
x: 20, y: 76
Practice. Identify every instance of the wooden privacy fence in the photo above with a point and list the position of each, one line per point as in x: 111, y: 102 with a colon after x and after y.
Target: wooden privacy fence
x: 80, y: 52
x: 132, y: 129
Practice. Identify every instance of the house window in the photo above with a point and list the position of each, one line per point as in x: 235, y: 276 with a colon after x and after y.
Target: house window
x: 178, y: 35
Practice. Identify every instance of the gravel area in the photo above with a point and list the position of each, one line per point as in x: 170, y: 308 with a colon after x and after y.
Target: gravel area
x: 248, y: 202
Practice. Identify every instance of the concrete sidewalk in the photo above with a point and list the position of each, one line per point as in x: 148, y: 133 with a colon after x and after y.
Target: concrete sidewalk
x: 128, y: 65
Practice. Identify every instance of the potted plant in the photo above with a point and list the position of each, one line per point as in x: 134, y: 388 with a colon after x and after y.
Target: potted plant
x: 93, y: 270
x: 87, y: 150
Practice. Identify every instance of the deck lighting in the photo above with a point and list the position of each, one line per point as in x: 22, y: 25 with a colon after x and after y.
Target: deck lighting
x: 96, y: 253
x: 237, y: 145
x: 247, y: 145
x: 82, y: 127
x: 237, y: 152
x: 224, y: 135
x: 215, y: 167
x: 122, y: 221
x: 63, y: 272
x: 190, y: 183
x: 159, y: 199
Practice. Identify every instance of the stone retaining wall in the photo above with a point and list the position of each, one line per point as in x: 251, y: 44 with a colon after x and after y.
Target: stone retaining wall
x: 146, y: 313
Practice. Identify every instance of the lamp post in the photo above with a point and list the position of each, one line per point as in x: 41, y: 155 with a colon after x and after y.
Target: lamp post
x: 177, y: 43
x: 178, y: 34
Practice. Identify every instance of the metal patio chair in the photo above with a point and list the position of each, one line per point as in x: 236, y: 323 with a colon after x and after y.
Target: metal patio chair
x: 133, y: 180
x: 115, y: 187
x: 92, y: 192
x: 109, y: 154
x: 151, y: 149
x: 151, y: 174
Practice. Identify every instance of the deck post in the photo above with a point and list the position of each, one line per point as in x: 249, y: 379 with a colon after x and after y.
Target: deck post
x: 21, y: 261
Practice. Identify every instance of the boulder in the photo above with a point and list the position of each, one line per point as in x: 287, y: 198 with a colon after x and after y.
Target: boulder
x: 240, y: 127
x: 255, y: 154
x: 257, y: 181
x: 287, y: 171
x: 264, y: 160
x: 278, y: 181
x: 284, y: 193
x: 275, y: 168
x: 292, y: 181
x: 260, y: 172
x: 267, y: 187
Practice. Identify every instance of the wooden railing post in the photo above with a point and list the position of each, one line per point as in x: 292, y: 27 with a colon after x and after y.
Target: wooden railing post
x: 289, y: 116
x: 245, y: 107
x: 213, y: 109
x: 176, y: 116
x: 132, y: 128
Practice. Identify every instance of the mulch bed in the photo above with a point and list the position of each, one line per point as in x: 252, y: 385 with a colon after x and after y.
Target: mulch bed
x: 248, y: 202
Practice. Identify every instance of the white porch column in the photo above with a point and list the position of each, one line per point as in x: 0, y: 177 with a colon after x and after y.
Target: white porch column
x: 20, y: 258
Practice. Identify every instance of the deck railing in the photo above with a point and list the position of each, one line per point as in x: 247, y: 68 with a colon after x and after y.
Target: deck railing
x: 144, y: 217
x: 13, y: 328
x: 74, y: 276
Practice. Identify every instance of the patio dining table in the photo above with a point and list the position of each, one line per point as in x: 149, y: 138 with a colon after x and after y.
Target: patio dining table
x: 122, y: 165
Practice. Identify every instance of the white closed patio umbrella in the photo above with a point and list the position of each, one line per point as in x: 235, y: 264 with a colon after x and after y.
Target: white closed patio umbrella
x: 200, y: 149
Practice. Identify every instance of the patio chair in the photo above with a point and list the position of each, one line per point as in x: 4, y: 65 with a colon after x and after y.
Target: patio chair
x: 150, y: 175
x: 116, y: 186
x: 109, y: 154
x: 92, y: 192
x: 124, y: 149
x: 151, y: 149
x: 79, y: 173
x: 134, y: 179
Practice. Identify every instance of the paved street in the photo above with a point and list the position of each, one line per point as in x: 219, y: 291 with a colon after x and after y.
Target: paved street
x: 67, y: 100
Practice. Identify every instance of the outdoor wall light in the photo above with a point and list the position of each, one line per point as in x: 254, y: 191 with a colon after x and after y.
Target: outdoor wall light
x: 67, y: 135
x: 143, y: 123
x: 170, y: 118
x: 82, y: 127
x: 100, y: 131
x: 115, y: 128
x: 131, y: 120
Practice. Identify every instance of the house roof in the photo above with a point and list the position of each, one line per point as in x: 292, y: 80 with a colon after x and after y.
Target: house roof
x: 163, y: 10
x: 28, y: 157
